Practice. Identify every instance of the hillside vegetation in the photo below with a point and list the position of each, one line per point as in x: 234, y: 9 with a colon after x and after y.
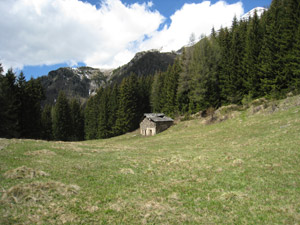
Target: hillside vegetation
x: 257, y: 57
x: 244, y: 170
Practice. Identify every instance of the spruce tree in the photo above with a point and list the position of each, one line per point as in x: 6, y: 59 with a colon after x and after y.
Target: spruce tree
x: 205, y: 79
x: 34, y: 95
x: 157, y: 97
x: 62, y: 119
x: 224, y: 40
x: 275, y: 49
x: 127, y: 116
x: 103, y: 126
x: 46, y: 123
x: 295, y: 63
x: 184, y: 81
x: 237, y: 72
x: 77, y: 121
x: 91, y: 116
x: 251, y: 62
x: 22, y: 99
x: 10, y: 105
x: 170, y: 106
x: 144, y: 92
x: 113, y: 105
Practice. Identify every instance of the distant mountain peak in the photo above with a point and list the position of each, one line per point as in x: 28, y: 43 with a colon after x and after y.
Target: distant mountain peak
x: 259, y: 11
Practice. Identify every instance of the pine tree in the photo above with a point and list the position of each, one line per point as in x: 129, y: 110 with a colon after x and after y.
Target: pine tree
x: 62, y: 119
x: 170, y: 106
x: 237, y: 74
x: 10, y: 104
x: 295, y: 63
x: 277, y: 44
x: 31, y: 107
x: 127, y: 116
x: 224, y: 40
x: 251, y: 60
x: 46, y: 122
x: 22, y: 99
x: 144, y: 92
x: 157, y: 99
x: 205, y: 79
x: 289, y: 24
x: 103, y: 128
x: 91, y: 118
x: 77, y: 121
x: 113, y: 105
x: 184, y: 81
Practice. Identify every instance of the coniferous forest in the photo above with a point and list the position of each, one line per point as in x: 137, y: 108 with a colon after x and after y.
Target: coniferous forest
x: 255, y: 57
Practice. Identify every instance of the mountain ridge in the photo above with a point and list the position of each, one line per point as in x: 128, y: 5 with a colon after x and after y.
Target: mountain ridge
x: 83, y: 82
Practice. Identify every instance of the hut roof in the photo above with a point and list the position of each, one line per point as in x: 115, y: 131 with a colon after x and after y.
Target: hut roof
x: 158, y: 117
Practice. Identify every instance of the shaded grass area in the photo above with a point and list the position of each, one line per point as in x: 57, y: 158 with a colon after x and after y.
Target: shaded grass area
x: 243, y: 171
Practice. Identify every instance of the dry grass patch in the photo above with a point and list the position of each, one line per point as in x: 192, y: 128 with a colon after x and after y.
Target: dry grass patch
x: 37, y: 192
x: 234, y: 196
x: 154, y: 211
x: 91, y: 209
x: 238, y: 162
x: 126, y: 171
x: 118, y: 206
x: 24, y: 172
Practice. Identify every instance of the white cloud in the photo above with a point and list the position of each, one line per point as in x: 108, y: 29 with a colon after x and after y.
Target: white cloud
x: 55, y: 31
x: 37, y: 32
x: 195, y: 19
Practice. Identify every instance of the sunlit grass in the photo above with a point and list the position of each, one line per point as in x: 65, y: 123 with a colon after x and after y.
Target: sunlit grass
x: 242, y: 171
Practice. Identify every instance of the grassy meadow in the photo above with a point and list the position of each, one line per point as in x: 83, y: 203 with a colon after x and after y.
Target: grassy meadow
x: 245, y: 170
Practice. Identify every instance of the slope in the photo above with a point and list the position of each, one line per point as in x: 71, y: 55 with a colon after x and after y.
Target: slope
x: 83, y: 82
x: 77, y: 83
x: 242, y: 170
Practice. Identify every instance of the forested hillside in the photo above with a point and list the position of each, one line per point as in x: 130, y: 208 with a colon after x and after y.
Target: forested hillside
x: 256, y: 57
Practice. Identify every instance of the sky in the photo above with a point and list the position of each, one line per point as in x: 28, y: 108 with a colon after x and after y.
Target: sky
x: 38, y: 36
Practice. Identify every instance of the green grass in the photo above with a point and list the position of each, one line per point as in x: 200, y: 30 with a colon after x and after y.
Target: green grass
x: 244, y: 170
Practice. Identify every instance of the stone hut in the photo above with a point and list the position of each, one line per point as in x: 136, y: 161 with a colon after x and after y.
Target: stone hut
x: 154, y: 123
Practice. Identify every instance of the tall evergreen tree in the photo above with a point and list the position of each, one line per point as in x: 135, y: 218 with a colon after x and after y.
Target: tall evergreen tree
x: 205, y: 77
x: 251, y: 60
x: 62, y: 119
x: 103, y: 116
x: 91, y: 116
x: 127, y: 116
x: 22, y: 99
x: 278, y: 40
x: 113, y: 105
x: 31, y: 109
x: 157, y: 99
x: 295, y: 63
x: 46, y: 123
x: 144, y: 92
x: 237, y: 74
x: 224, y: 40
x: 77, y: 121
x: 170, y: 89
x: 10, y: 104
x: 184, y: 81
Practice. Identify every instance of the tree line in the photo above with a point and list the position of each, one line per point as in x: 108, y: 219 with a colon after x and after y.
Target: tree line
x: 20, y: 106
x: 256, y: 57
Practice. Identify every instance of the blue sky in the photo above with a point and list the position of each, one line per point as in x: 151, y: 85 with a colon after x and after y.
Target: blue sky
x: 40, y: 36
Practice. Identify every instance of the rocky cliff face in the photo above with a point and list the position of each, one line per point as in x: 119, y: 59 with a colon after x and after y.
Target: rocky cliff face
x: 77, y: 83
x: 83, y: 82
x: 144, y: 64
